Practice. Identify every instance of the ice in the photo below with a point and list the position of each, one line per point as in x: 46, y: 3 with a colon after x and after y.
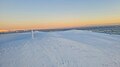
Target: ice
x: 73, y: 48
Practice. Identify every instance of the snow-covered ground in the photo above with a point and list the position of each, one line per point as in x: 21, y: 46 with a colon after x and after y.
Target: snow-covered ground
x: 73, y: 48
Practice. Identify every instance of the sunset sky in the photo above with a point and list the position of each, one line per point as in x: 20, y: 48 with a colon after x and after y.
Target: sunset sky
x: 46, y: 14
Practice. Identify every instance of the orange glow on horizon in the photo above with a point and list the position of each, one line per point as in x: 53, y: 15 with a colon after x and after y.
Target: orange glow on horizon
x: 54, y: 24
x: 3, y: 30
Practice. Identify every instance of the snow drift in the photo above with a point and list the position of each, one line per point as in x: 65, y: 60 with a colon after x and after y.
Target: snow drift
x: 74, y: 48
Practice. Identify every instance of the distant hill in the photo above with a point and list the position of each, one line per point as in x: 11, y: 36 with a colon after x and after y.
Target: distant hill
x: 114, y: 29
x: 103, y: 29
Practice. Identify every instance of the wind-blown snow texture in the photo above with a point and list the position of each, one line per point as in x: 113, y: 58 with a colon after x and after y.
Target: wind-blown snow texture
x: 74, y: 48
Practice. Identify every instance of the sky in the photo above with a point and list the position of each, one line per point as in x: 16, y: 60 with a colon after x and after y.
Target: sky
x: 46, y: 14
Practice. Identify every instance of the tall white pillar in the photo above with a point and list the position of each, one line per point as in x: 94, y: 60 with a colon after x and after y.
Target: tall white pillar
x: 32, y: 34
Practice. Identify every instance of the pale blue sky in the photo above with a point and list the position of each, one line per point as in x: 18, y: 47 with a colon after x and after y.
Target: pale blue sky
x: 58, y: 10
